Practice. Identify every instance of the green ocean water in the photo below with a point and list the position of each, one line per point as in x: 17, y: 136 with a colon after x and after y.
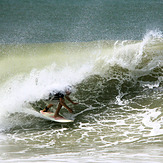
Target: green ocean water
x: 110, y: 52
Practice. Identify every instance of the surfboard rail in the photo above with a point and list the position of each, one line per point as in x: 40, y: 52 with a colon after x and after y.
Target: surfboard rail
x: 50, y: 116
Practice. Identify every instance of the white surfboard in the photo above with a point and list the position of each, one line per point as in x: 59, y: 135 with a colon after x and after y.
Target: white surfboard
x: 50, y: 116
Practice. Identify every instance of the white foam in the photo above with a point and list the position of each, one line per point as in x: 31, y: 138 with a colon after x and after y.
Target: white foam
x: 151, y: 120
x: 35, y: 85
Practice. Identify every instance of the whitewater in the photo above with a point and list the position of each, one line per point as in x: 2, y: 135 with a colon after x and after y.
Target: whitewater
x: 118, y: 85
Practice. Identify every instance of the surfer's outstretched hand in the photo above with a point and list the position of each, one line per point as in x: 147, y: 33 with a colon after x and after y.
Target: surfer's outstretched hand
x: 70, y: 110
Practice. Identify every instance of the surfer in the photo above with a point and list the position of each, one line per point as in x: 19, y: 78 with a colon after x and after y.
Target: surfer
x: 59, y: 96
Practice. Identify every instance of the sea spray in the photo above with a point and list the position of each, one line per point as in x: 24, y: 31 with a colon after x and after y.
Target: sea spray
x: 103, y: 72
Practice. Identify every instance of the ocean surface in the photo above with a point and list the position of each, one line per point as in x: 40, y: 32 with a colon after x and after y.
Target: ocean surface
x: 110, y: 52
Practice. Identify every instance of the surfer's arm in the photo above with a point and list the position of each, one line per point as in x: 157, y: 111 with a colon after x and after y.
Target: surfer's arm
x: 61, y: 100
x: 68, y: 98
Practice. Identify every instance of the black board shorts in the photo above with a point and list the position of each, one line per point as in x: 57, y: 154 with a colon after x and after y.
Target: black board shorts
x: 56, y: 96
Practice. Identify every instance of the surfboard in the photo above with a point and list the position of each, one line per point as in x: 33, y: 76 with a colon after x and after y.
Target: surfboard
x: 50, y: 116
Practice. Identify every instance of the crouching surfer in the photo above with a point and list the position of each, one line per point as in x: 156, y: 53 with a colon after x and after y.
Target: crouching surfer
x: 59, y: 96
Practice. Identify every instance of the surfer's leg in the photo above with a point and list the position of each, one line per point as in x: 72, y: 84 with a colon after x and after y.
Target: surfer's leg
x: 47, y: 107
x: 57, y: 111
x: 50, y: 105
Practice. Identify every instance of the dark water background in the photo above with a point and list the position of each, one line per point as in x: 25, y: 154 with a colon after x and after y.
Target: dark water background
x: 61, y: 20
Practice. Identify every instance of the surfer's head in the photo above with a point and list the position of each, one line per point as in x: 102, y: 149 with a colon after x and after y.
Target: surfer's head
x: 68, y: 90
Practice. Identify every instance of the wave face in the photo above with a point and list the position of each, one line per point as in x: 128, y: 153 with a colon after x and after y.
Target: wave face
x: 118, y: 85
